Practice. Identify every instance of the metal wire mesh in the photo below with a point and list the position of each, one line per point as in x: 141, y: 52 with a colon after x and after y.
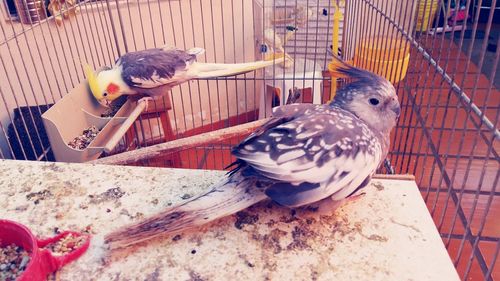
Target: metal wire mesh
x: 447, y: 135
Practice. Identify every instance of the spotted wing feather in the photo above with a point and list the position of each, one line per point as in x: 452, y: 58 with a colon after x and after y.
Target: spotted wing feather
x: 316, y: 151
x: 153, y: 68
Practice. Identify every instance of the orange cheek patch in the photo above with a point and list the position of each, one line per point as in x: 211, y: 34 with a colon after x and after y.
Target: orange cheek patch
x: 112, y: 88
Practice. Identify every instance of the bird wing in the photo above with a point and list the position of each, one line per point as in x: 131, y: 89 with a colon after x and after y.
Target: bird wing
x: 153, y: 68
x: 312, y: 151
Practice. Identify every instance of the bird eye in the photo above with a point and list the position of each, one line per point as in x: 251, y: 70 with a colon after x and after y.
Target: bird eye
x: 105, y: 94
x: 374, y: 101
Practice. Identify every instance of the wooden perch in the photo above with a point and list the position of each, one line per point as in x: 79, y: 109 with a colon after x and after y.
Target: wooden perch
x: 179, y: 145
x: 198, y: 140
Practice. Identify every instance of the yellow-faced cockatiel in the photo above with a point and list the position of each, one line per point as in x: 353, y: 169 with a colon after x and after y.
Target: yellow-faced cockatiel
x: 153, y: 72
x: 305, y: 153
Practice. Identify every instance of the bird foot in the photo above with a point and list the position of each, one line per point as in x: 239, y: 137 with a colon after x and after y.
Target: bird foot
x: 325, y: 207
x: 353, y: 198
x: 146, y: 100
x: 356, y: 197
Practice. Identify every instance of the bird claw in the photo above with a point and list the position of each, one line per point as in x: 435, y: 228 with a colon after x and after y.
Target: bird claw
x: 146, y: 100
x: 323, y: 207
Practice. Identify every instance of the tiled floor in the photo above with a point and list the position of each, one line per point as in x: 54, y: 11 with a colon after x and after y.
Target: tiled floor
x: 464, y: 192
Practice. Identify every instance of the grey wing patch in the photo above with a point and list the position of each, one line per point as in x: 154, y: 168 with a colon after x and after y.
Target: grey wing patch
x: 307, y: 147
x: 296, y: 109
x: 153, y: 67
x: 281, y: 115
x: 322, y: 151
x: 290, y: 195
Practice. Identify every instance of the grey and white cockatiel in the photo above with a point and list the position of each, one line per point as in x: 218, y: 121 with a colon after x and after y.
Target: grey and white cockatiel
x: 305, y: 153
x: 153, y: 72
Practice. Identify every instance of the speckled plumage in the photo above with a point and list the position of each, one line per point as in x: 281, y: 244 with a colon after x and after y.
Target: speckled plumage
x: 152, y: 65
x: 305, y: 153
x: 312, y: 152
x: 153, y: 72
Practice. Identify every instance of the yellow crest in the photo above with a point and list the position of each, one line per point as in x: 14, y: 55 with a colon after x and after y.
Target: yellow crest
x: 92, y: 80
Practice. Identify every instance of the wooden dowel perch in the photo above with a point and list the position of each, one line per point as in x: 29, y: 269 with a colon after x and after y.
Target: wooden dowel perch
x: 196, y: 141
x: 179, y: 145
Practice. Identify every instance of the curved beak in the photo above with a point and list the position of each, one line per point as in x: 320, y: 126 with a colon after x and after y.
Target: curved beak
x: 104, y: 102
x: 396, y: 109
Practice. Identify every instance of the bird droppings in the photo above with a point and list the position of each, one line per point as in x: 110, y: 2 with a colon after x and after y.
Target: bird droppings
x: 379, y: 186
x: 109, y: 195
x: 82, y: 141
x: 38, y: 196
x: 243, y: 218
x: 186, y: 196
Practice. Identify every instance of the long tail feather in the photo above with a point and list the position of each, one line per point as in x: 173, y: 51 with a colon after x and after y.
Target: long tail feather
x: 229, y: 196
x: 212, y: 70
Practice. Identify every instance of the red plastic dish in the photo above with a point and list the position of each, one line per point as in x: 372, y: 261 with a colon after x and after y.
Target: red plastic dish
x: 42, y: 262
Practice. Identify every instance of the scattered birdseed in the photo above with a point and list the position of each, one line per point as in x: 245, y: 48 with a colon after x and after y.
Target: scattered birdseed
x: 67, y: 244
x: 114, y: 107
x: 13, y: 261
x: 110, y: 112
x: 82, y: 141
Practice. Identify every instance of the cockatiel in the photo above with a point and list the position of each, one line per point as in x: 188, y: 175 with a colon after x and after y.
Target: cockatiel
x: 305, y: 153
x: 153, y: 72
